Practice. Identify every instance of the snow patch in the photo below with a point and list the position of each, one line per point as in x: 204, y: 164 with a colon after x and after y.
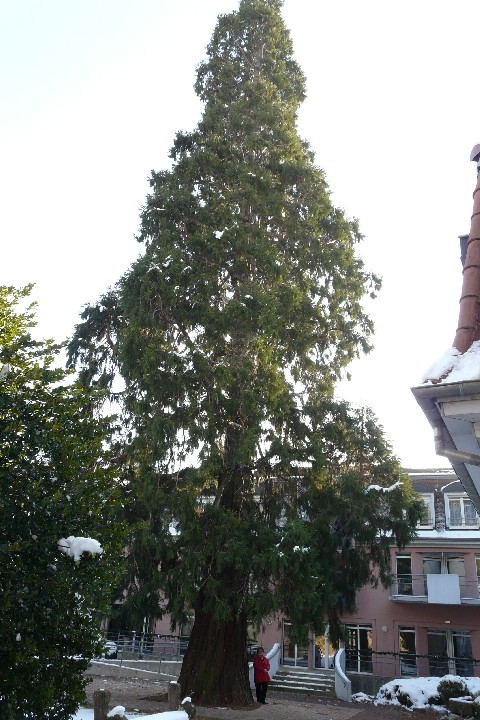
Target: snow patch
x: 76, y: 546
x: 384, y: 489
x: 455, y: 367
x: 117, y: 710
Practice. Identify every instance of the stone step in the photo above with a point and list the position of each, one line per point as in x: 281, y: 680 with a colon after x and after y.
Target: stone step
x: 309, y: 673
x: 323, y: 682
x: 304, y: 678
x: 305, y: 690
x: 298, y: 681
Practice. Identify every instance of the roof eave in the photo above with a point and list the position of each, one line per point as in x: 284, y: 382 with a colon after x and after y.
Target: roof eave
x: 429, y: 398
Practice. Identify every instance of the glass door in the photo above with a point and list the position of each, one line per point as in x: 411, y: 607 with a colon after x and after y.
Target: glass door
x: 408, y: 658
x: 293, y: 654
x: 450, y: 652
x: 323, y: 651
x: 462, y: 652
x: 359, y: 649
x: 438, y: 653
x: 456, y: 566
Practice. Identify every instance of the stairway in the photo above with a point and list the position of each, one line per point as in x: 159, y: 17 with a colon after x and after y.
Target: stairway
x: 308, y: 682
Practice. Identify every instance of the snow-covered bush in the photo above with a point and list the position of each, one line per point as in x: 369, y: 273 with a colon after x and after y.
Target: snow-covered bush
x: 409, y: 692
x: 420, y: 693
x: 451, y: 687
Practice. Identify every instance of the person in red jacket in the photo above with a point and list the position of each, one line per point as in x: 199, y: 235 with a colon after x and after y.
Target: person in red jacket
x: 261, y: 678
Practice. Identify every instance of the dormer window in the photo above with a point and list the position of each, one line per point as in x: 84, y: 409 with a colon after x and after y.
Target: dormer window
x: 461, y: 511
x: 428, y: 515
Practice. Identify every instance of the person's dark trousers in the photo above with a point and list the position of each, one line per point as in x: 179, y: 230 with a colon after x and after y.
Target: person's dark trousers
x: 261, y: 692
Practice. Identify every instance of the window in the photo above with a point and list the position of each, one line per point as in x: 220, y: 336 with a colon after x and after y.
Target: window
x: 358, y: 648
x: 404, y: 575
x: 427, y: 519
x: 450, y: 652
x: 408, y: 659
x: 461, y: 511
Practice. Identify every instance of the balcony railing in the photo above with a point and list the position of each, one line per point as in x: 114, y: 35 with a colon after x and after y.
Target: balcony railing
x: 455, y: 521
x: 443, y: 589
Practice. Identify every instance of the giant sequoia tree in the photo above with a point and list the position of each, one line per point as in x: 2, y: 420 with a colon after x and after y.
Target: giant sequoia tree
x: 249, y: 481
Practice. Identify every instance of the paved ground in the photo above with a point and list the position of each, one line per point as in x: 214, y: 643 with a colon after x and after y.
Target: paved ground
x: 147, y: 696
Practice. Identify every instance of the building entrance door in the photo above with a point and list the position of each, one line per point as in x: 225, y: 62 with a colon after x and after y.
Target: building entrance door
x: 323, y: 651
x: 293, y: 654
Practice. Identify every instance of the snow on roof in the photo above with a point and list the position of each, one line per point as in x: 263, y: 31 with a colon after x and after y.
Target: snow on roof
x: 455, y: 367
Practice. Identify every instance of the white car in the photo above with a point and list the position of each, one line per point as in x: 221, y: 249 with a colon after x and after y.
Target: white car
x: 110, y: 650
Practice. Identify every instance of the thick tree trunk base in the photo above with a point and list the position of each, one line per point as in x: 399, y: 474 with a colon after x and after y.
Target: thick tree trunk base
x: 215, y: 669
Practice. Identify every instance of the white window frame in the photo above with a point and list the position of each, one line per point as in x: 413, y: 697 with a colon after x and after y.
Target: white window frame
x: 461, y: 497
x: 427, y: 499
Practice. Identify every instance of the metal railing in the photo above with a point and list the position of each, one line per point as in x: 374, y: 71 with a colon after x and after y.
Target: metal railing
x: 415, y: 586
x: 143, y: 646
x: 394, y: 664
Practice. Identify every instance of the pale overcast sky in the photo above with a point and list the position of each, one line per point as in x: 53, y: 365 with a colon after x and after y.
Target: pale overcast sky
x: 93, y: 92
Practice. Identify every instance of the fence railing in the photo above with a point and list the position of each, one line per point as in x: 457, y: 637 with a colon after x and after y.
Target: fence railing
x: 394, y: 664
x: 144, y: 646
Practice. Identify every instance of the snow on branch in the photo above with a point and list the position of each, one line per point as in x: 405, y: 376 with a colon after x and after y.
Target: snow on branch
x: 4, y: 370
x: 384, y: 489
x: 76, y: 546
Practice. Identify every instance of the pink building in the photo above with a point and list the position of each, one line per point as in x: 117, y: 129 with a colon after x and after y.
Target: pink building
x: 428, y: 621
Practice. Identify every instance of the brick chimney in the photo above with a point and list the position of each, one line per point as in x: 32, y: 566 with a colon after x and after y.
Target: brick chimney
x: 469, y: 316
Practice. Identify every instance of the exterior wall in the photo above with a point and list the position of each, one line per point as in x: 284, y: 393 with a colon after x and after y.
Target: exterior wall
x: 270, y: 632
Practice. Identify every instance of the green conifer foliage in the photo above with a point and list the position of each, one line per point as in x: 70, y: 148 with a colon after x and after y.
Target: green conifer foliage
x: 55, y: 482
x: 231, y: 329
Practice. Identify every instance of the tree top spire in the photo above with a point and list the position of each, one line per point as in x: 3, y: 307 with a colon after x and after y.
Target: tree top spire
x: 250, y: 45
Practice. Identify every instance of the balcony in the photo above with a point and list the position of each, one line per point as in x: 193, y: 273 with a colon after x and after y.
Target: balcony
x: 440, y: 589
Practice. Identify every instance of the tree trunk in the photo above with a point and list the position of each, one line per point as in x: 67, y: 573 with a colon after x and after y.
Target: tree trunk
x: 215, y: 668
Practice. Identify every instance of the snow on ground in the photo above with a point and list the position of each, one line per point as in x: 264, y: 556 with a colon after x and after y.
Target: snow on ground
x: 419, y: 690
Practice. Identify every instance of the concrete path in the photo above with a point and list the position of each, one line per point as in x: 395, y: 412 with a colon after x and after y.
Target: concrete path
x: 286, y: 709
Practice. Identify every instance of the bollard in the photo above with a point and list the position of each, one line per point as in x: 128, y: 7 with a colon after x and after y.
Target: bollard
x: 189, y: 708
x: 173, y: 695
x: 101, y: 701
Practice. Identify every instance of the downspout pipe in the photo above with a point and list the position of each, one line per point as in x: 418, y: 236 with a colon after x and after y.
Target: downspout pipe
x: 458, y: 455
